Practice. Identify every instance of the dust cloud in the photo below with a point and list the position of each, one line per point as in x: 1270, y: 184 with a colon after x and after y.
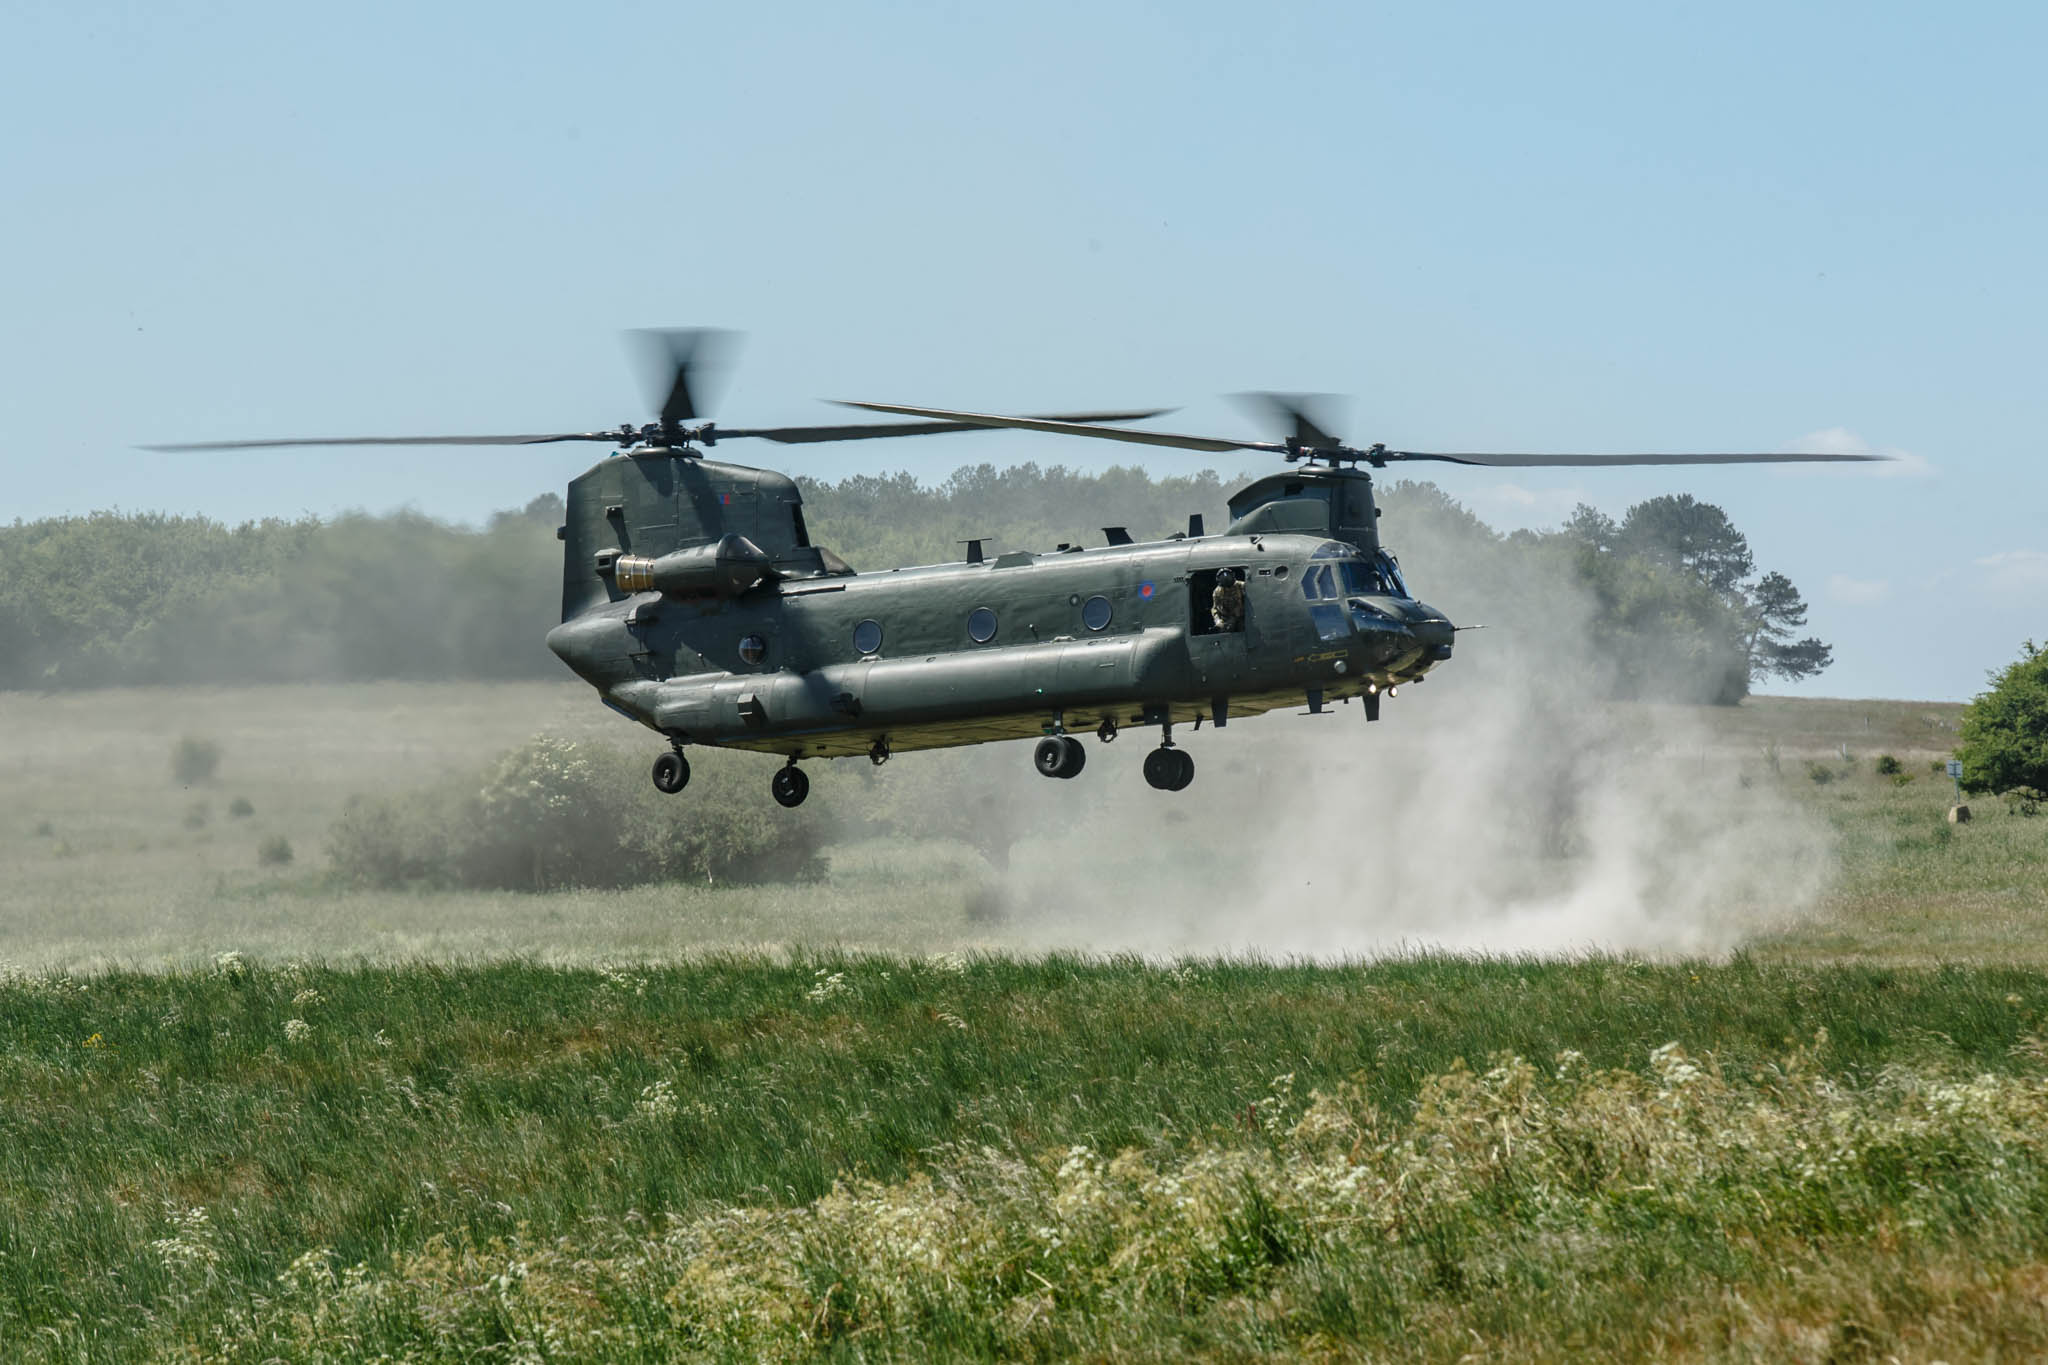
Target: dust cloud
x: 1502, y: 806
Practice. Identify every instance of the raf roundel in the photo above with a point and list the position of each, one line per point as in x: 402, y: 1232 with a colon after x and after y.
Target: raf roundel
x: 1145, y: 591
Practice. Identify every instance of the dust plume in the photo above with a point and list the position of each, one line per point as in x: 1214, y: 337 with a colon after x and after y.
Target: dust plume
x: 1502, y: 806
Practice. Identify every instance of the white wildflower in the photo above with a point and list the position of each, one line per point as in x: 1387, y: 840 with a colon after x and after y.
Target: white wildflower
x: 657, y: 1103
x: 231, y: 965
x: 379, y: 1039
x: 190, y: 1244
x: 625, y: 983
x: 309, y: 1273
x: 832, y: 987
x: 297, y: 1030
x: 1674, y: 1071
x: 304, y: 998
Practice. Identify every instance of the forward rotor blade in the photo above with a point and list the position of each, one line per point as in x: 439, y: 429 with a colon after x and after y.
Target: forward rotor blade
x: 867, y: 431
x: 1562, y: 461
x: 1070, y: 428
x: 392, y: 441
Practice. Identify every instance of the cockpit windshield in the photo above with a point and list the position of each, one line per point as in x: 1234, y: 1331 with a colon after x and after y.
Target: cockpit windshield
x: 1378, y: 576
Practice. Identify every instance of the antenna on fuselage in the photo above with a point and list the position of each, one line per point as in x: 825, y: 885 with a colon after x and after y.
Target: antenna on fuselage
x: 974, y: 554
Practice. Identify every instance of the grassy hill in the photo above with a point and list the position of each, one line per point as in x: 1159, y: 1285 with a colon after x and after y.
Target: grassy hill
x: 251, y: 1116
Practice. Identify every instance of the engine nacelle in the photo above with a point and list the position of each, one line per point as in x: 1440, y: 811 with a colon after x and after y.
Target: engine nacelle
x: 726, y: 567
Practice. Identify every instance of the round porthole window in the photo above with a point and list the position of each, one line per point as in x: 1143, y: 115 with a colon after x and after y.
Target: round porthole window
x: 867, y: 637
x: 753, y: 648
x: 1095, y: 615
x: 981, y: 625
x: 1280, y: 572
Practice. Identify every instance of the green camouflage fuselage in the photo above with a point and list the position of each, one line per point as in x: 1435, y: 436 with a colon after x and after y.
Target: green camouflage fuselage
x: 815, y: 660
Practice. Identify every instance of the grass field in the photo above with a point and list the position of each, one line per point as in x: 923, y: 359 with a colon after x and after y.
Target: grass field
x: 247, y: 1116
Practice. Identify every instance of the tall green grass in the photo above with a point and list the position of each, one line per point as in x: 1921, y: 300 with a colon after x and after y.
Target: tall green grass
x: 903, y: 1158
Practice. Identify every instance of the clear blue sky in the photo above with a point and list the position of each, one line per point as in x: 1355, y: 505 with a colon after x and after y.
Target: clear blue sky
x: 1499, y: 226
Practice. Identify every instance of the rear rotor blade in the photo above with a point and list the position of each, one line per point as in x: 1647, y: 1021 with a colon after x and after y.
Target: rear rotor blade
x: 677, y: 362
x: 1070, y: 428
x: 1499, y: 460
x: 392, y: 441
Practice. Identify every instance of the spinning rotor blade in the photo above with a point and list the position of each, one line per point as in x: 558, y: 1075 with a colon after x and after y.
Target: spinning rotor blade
x: 856, y: 431
x: 1304, y: 414
x: 671, y: 355
x: 866, y: 431
x: 1560, y: 461
x: 1069, y: 427
x: 393, y: 441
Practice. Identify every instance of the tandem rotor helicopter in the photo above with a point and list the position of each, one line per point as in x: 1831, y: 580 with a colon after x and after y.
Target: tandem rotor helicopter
x: 695, y: 603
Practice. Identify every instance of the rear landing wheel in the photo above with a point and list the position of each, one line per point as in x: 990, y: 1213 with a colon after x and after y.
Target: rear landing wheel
x: 671, y: 773
x: 789, y: 787
x: 1169, y: 770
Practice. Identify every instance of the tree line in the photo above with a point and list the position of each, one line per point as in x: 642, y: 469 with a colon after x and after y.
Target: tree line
x: 1665, y: 602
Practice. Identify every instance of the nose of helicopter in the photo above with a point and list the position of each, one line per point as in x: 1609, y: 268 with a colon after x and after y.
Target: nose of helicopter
x: 1432, y: 630
x: 1400, y: 635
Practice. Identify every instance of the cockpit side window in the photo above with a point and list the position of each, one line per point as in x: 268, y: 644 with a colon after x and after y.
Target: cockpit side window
x: 1390, y: 572
x: 1318, y: 581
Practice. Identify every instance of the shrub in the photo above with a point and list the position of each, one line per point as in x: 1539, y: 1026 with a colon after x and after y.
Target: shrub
x: 1887, y: 766
x: 194, y: 759
x: 274, y: 851
x: 555, y: 814
x: 1937, y: 765
x: 1821, y: 773
x: 1902, y: 779
x: 241, y: 808
x: 2005, y: 728
x: 2023, y: 800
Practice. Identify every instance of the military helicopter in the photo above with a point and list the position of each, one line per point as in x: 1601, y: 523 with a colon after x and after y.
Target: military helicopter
x: 695, y: 603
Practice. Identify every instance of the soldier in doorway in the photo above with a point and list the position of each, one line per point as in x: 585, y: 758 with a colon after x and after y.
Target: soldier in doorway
x: 1226, y: 608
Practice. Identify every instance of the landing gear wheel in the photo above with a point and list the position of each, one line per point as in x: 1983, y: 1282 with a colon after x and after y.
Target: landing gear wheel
x: 1162, y: 769
x: 671, y: 773
x: 790, y: 786
x: 1059, y: 756
x: 1184, y: 763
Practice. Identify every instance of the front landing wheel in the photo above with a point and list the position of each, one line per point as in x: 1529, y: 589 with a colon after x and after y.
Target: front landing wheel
x: 1059, y: 756
x: 789, y: 787
x: 671, y: 773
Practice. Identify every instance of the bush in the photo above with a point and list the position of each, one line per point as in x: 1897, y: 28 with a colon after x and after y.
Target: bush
x: 194, y: 760
x: 241, y: 808
x: 2023, y: 801
x: 1821, y: 773
x: 1887, y: 766
x: 2005, y: 728
x: 555, y: 814
x: 274, y: 851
